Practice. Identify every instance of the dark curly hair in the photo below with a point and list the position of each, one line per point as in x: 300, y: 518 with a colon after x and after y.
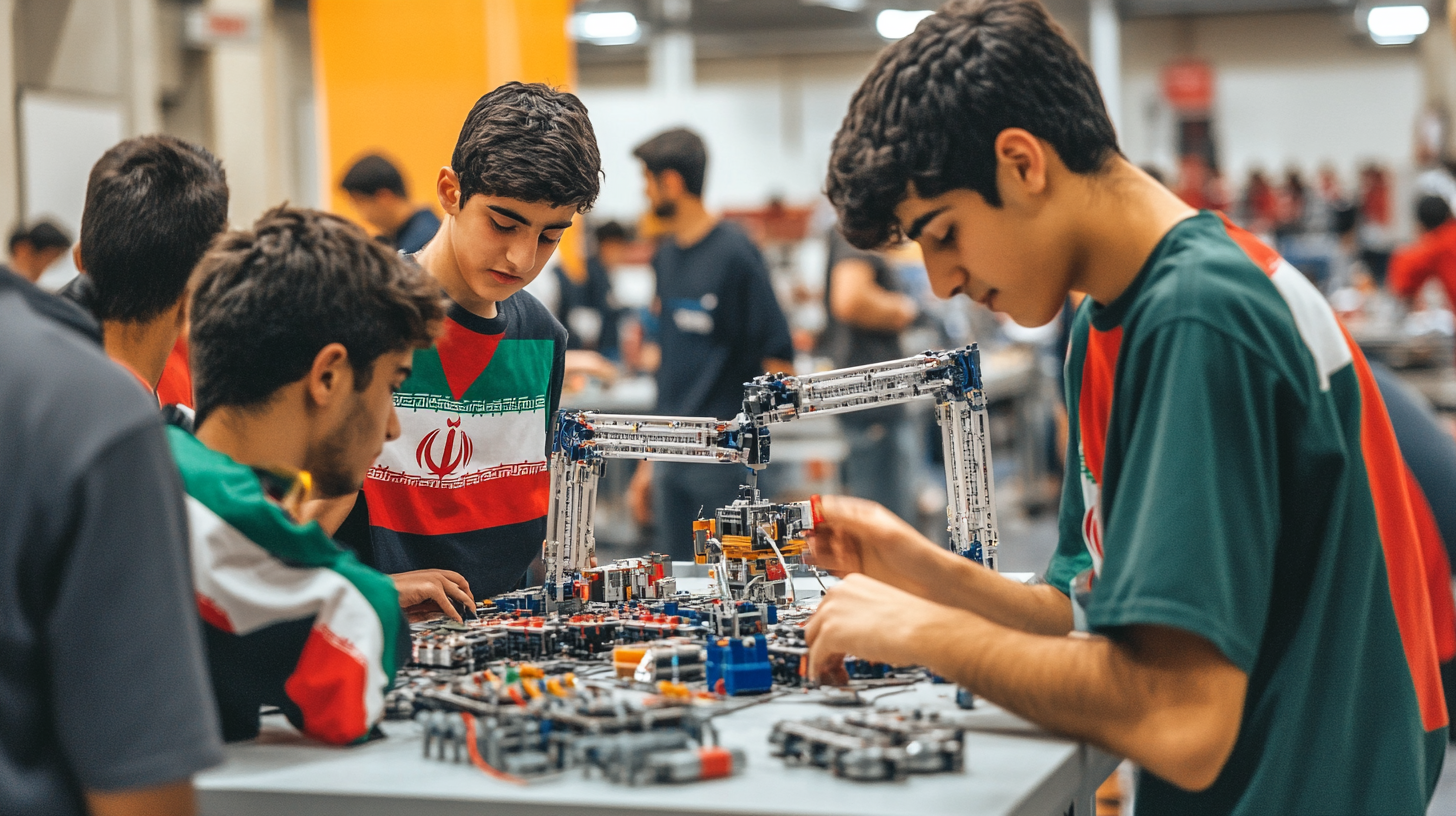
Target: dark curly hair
x: 267, y: 300
x: 532, y: 143
x: 929, y: 112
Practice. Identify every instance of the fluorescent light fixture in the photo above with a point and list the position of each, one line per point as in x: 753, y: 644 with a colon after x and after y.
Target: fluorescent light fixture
x: 1397, y: 25
x: 605, y: 27
x: 895, y: 24
x: 842, y: 5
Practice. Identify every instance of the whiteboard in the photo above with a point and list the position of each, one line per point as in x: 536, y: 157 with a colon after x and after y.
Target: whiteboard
x: 61, y: 137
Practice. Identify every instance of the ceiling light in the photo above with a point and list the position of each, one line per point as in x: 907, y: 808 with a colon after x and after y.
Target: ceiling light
x: 605, y: 27
x: 1397, y: 25
x: 842, y: 5
x: 894, y: 24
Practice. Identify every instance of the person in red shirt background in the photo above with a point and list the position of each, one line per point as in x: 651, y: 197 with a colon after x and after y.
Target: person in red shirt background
x: 1433, y: 255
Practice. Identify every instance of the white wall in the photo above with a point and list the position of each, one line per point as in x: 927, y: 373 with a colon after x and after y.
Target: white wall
x: 768, y: 124
x: 1298, y: 88
x: 1290, y: 89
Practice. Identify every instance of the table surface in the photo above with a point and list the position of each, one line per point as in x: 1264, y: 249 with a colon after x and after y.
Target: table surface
x: 1011, y: 767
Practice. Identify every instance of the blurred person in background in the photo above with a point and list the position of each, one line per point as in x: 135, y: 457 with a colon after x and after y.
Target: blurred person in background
x: 377, y: 191
x: 1433, y: 255
x: 34, y: 247
x: 1377, y: 218
x: 585, y: 306
x: 720, y: 325
x: 1260, y: 204
x: 1293, y: 200
x: 866, y: 314
x: 153, y: 205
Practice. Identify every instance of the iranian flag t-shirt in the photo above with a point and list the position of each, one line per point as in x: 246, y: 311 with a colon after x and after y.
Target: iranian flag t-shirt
x: 465, y: 485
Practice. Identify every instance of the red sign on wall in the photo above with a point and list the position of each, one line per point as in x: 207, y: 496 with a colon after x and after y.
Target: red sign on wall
x: 1188, y: 85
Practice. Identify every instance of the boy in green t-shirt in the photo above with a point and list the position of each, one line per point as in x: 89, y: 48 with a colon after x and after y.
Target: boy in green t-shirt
x: 1235, y: 525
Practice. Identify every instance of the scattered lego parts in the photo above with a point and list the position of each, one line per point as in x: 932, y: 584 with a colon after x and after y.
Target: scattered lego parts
x: 883, y: 745
x: 527, y: 725
x: 739, y: 666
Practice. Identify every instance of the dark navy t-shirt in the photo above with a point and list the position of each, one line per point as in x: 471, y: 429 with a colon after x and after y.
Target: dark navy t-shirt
x: 417, y: 231
x: 719, y: 321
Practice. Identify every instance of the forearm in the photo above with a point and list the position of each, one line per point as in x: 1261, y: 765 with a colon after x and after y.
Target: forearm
x: 884, y: 311
x: 941, y: 576
x: 1163, y: 715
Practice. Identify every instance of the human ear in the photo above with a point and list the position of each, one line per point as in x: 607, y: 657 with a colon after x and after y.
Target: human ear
x: 76, y: 258
x: 447, y: 189
x: 1021, y: 159
x: 329, y: 375
x: 671, y: 182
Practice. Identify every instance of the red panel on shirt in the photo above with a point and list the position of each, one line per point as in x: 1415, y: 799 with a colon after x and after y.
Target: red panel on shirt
x: 1094, y: 408
x: 464, y: 354
x: 328, y: 686
x: 446, y: 511
x: 175, y: 387
x: 1404, y: 565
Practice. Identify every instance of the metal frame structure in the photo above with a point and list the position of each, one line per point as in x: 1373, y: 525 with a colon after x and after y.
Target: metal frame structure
x: 584, y: 440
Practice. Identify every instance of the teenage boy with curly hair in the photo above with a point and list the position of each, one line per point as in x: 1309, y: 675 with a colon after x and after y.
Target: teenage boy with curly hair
x: 1236, y: 534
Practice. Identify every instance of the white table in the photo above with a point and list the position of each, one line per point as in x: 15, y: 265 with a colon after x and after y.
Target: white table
x: 1011, y: 769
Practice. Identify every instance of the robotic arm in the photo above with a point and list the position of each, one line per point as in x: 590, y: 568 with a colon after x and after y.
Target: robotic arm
x: 952, y: 379
x: 584, y: 440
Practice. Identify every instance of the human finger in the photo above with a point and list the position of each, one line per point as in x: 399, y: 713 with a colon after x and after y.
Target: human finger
x: 437, y: 594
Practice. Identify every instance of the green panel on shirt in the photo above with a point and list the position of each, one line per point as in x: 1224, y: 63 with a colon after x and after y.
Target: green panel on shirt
x: 1236, y: 506
x: 517, y: 377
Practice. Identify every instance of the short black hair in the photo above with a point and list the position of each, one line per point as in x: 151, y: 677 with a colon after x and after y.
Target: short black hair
x: 678, y: 149
x: 532, y: 143
x: 153, y: 205
x: 371, y: 174
x: 1432, y: 211
x: 42, y: 234
x: 930, y: 110
x: 267, y: 300
x: 612, y: 231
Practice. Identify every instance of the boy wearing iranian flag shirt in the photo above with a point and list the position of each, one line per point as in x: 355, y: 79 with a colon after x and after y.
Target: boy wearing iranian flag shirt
x: 464, y: 488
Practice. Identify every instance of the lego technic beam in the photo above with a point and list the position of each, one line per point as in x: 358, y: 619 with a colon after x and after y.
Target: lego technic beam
x: 582, y: 443
x: 952, y: 379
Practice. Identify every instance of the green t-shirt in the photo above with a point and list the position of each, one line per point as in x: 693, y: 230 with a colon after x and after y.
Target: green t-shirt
x: 1232, y: 473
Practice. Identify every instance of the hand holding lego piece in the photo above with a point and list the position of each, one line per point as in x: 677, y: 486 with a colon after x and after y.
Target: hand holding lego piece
x: 424, y: 593
x: 854, y: 535
x: 870, y: 619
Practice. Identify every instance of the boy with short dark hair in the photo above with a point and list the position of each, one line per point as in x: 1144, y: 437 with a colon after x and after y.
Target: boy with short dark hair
x: 153, y: 205
x: 34, y: 247
x: 465, y: 485
x: 377, y: 191
x: 1235, y: 523
x: 302, y: 328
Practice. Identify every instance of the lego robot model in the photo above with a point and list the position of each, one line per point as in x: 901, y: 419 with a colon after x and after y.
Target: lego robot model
x: 584, y: 440
x: 952, y: 379
x: 742, y: 536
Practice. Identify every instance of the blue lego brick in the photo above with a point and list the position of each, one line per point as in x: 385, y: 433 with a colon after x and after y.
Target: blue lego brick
x: 771, y: 614
x: 739, y: 666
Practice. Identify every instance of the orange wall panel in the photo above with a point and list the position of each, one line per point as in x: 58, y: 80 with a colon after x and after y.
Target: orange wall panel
x: 397, y: 77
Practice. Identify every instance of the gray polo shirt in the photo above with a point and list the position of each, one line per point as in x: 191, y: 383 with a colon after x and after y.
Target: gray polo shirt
x: 103, y: 684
